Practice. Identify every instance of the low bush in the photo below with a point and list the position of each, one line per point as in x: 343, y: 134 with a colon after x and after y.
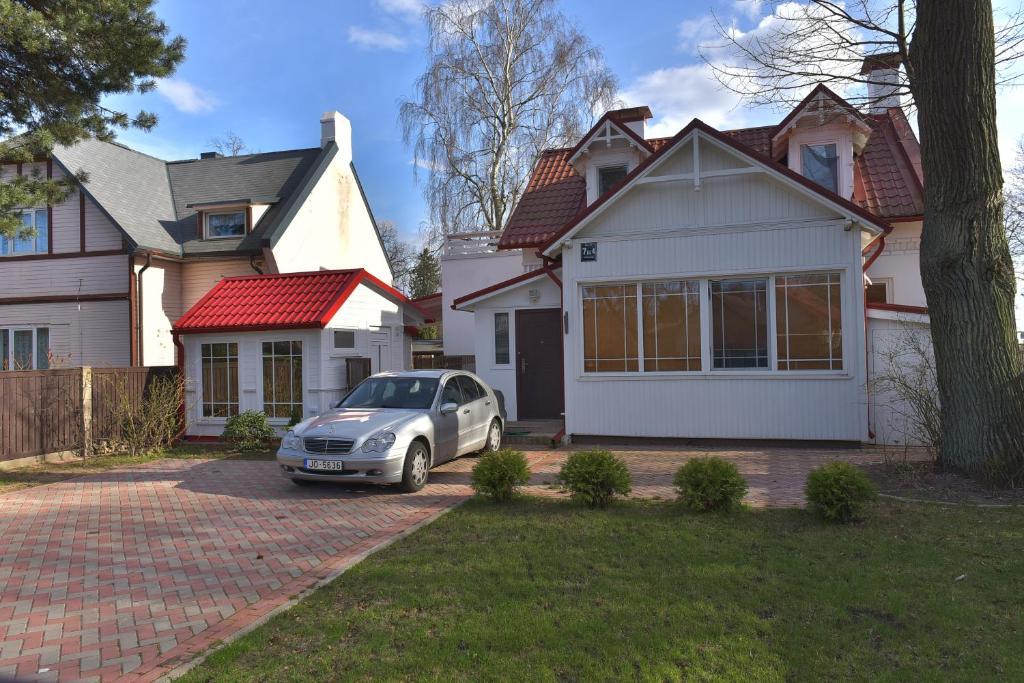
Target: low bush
x: 141, y: 424
x: 710, y: 484
x: 499, y: 474
x: 248, y: 431
x: 593, y: 477
x: 838, y: 491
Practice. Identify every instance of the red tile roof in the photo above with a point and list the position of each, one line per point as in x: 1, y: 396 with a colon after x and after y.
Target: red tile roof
x: 887, y: 179
x: 278, y: 302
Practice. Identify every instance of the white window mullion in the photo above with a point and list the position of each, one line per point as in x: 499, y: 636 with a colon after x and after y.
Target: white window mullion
x: 638, y: 292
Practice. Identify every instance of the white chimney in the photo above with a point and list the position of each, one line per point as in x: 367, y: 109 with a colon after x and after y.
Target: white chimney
x: 336, y: 128
x: 634, y: 118
x: 883, y: 73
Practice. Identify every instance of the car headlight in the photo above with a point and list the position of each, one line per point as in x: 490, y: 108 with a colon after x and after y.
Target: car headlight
x: 292, y: 441
x: 379, y: 443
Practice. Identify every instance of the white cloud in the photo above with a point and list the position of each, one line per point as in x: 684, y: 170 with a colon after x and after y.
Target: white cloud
x: 407, y: 9
x: 375, y: 40
x: 186, y: 97
x: 748, y: 8
x: 695, y: 32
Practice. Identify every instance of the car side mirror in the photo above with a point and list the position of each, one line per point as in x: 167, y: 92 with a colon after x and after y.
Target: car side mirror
x: 449, y: 408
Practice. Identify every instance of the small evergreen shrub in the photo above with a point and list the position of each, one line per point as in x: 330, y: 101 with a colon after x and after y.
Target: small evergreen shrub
x: 248, y: 431
x: 710, y: 484
x: 497, y: 475
x: 838, y: 491
x: 594, y: 477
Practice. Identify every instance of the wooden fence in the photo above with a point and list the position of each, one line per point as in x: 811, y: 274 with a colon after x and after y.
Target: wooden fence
x: 52, y: 411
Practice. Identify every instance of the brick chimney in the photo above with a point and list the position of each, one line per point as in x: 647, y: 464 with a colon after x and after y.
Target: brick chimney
x: 336, y: 128
x: 883, y: 72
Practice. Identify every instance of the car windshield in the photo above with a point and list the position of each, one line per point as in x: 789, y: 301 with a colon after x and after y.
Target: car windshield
x: 413, y: 393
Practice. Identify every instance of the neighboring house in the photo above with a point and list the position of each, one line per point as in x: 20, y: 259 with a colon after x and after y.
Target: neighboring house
x: 142, y: 240
x: 289, y: 345
x: 721, y: 284
x: 427, y: 344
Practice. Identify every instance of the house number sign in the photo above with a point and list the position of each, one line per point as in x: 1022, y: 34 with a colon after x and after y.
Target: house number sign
x: 588, y: 251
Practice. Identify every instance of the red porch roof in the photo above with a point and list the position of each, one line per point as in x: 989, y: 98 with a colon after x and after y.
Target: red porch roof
x: 279, y: 302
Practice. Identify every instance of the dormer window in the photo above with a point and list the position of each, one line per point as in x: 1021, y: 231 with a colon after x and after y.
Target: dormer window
x: 608, y: 176
x: 820, y: 163
x: 223, y: 224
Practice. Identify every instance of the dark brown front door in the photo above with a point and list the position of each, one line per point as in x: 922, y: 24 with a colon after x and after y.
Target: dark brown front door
x: 539, y: 391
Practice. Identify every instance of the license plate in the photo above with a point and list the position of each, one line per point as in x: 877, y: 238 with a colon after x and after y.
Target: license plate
x: 326, y: 465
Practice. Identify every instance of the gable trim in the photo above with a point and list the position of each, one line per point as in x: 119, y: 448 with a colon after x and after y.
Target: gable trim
x: 807, y: 187
x: 504, y: 286
x: 301, y: 193
x: 609, y: 120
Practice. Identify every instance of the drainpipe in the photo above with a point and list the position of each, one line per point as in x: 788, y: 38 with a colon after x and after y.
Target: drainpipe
x: 867, y: 264
x: 180, y: 357
x: 139, y: 306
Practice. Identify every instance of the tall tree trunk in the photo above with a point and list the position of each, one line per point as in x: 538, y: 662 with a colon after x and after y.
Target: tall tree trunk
x: 965, y: 259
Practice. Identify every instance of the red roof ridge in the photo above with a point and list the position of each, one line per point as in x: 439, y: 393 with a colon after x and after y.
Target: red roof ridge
x: 299, y: 273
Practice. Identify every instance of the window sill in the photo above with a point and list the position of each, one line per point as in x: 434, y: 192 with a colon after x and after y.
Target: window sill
x: 717, y: 374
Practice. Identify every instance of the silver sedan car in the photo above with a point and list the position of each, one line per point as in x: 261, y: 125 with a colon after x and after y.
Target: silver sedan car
x: 393, y: 427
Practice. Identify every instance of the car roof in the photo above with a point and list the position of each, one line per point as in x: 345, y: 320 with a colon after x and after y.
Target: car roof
x: 438, y: 373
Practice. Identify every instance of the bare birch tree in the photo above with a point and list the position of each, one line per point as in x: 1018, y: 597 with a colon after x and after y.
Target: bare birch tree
x: 505, y: 79
x: 952, y: 56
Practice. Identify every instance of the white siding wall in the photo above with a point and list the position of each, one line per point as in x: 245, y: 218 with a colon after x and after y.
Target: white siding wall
x: 161, y: 307
x: 461, y: 275
x: 91, y: 333
x: 65, y: 276
x: 332, y: 230
x: 250, y: 374
x: 736, y: 225
x: 887, y: 334
x: 503, y: 377
x: 199, y: 276
x: 900, y: 263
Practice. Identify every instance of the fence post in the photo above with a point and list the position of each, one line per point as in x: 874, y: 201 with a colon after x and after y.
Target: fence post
x: 86, y: 411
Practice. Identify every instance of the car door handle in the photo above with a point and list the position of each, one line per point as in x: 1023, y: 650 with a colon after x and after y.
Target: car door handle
x: 465, y: 411
x: 487, y: 403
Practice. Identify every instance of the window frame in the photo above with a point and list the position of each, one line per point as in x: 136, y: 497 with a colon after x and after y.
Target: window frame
x: 302, y: 377
x: 7, y: 361
x: 609, y: 167
x: 887, y: 281
x: 7, y: 244
x: 835, y: 144
x: 222, y: 212
x: 202, y: 381
x: 494, y: 339
x: 345, y: 350
x: 772, y: 371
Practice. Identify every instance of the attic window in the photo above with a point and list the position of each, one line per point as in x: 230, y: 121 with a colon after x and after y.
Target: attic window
x: 221, y: 224
x: 608, y: 176
x: 820, y: 163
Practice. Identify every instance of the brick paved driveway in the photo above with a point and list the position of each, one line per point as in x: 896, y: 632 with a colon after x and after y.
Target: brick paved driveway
x: 133, y: 572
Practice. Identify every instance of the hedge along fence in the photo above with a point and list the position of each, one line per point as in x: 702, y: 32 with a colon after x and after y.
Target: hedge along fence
x: 54, y: 411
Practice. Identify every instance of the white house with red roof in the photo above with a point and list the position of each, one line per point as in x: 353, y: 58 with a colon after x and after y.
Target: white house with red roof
x: 715, y: 284
x: 288, y: 345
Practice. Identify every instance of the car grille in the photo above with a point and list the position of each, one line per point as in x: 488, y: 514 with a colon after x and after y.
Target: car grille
x: 328, y: 446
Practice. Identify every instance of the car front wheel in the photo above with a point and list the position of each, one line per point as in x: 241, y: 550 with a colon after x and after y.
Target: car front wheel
x: 414, y: 471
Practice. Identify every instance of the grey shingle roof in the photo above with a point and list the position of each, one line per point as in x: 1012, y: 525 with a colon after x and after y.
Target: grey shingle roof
x: 149, y: 199
x: 129, y: 186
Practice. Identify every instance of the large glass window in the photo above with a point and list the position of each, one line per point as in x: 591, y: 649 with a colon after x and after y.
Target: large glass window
x: 739, y: 323
x: 609, y: 176
x: 225, y: 224
x: 37, y: 243
x: 671, y: 316
x: 609, y: 328
x: 25, y: 349
x: 282, y: 378
x: 220, y: 379
x: 501, y: 340
x: 820, y: 163
x: 808, y: 322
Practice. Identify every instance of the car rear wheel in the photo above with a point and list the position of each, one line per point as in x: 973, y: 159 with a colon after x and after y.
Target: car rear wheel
x: 416, y: 467
x: 493, y: 442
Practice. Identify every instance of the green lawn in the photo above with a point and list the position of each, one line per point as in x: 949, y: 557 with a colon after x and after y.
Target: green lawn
x: 49, y: 473
x: 545, y: 590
